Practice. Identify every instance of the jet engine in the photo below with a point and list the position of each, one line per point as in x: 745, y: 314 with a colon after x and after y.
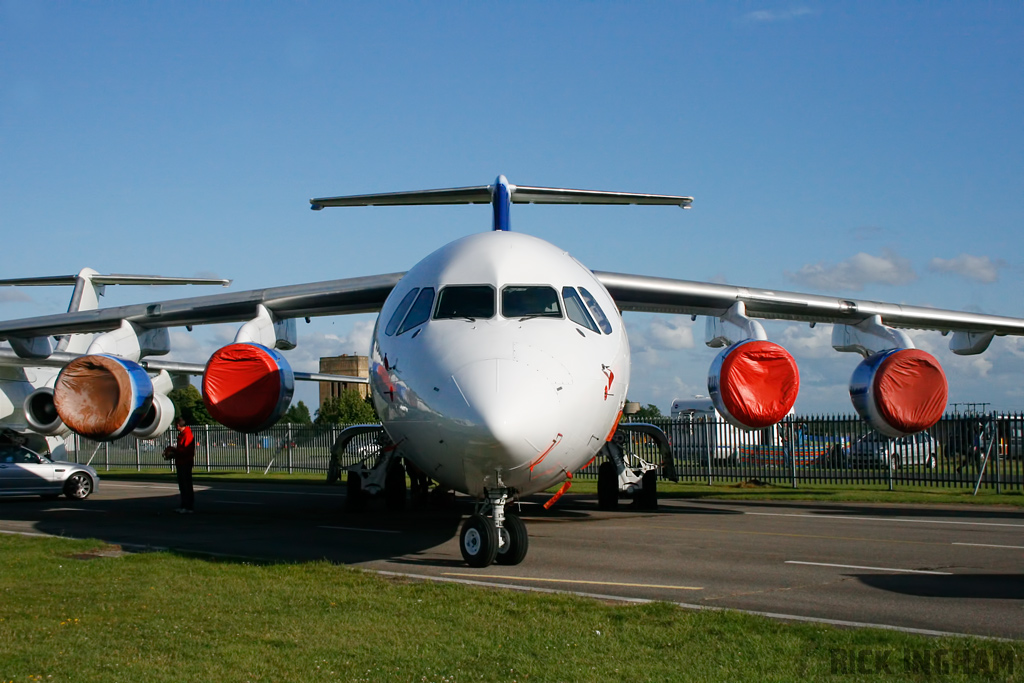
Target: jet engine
x: 247, y: 386
x: 41, y: 415
x: 899, y: 391
x: 102, y: 397
x: 157, y: 419
x: 753, y: 383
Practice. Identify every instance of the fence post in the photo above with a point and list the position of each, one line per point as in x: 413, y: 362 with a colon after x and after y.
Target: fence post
x: 288, y: 445
x: 138, y: 457
x: 996, y: 439
x: 892, y: 466
x: 711, y: 444
x: 791, y: 434
x: 247, y: 454
x: 206, y: 433
x: 106, y: 455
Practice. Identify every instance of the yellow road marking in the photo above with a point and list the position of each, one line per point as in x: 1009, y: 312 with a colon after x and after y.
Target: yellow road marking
x: 589, y: 583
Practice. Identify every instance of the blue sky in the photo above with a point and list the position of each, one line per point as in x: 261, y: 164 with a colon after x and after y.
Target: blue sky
x: 870, y: 150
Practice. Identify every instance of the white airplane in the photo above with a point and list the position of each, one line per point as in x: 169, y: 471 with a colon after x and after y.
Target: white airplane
x: 500, y: 364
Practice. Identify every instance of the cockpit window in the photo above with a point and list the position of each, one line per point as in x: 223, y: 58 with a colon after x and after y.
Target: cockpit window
x: 577, y: 310
x: 521, y: 301
x: 465, y: 301
x: 599, y: 315
x: 420, y: 311
x: 403, y: 308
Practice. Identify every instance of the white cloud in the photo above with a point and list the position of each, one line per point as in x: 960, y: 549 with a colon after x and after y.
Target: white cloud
x: 855, y: 272
x: 13, y: 295
x: 979, y: 268
x: 670, y: 335
x: 769, y: 15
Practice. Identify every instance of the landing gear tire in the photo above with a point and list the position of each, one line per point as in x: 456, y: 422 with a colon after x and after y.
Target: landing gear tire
x: 513, y: 550
x: 607, y: 486
x: 394, y: 487
x: 478, y: 541
x: 648, y: 496
x: 355, y: 500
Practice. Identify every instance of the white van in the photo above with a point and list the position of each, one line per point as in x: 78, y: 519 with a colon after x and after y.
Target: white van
x: 699, y: 432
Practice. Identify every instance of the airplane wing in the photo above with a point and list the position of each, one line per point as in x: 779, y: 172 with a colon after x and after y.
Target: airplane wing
x: 663, y: 295
x: 332, y: 297
x: 59, y: 359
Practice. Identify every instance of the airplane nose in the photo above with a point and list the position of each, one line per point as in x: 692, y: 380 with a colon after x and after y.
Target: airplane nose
x: 513, y: 410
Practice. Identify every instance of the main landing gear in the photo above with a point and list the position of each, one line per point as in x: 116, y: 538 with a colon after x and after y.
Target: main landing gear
x: 499, y: 537
x: 626, y: 473
x: 378, y: 473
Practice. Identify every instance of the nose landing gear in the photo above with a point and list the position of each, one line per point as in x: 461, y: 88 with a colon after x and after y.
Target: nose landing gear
x: 499, y: 537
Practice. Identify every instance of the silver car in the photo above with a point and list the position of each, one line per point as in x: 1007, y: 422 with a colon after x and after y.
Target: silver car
x: 24, y: 472
x: 876, y: 450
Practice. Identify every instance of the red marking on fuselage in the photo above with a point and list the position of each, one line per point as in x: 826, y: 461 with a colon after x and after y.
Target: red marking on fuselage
x: 611, y: 378
x: 543, y: 455
x: 561, y: 491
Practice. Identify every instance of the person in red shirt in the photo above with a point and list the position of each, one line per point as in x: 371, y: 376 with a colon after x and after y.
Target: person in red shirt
x: 184, y: 454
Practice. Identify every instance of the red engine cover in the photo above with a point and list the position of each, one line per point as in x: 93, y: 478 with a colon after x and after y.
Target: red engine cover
x: 247, y: 387
x: 901, y: 391
x: 754, y: 383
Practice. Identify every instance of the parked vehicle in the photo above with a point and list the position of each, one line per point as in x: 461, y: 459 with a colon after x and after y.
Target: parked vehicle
x: 24, y: 472
x: 877, y: 450
x: 698, y: 433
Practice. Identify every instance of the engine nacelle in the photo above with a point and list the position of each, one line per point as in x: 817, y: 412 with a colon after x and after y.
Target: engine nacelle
x: 899, y: 391
x: 754, y: 383
x: 247, y: 386
x: 157, y: 419
x: 41, y: 414
x: 102, y: 397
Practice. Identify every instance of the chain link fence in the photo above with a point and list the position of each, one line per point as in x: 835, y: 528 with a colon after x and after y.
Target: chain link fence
x: 982, y: 450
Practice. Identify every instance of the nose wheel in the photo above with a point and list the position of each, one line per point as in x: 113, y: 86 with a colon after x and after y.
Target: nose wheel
x: 497, y: 537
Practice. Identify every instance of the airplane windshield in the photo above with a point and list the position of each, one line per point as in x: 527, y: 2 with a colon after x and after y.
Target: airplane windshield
x: 403, y: 308
x: 465, y: 301
x: 420, y: 311
x: 529, y: 301
x: 595, y: 308
x: 576, y: 310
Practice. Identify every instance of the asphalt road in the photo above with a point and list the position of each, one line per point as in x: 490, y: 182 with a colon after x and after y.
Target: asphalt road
x: 954, y: 569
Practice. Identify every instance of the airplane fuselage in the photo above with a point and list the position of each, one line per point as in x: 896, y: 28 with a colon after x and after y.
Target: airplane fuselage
x: 499, y: 360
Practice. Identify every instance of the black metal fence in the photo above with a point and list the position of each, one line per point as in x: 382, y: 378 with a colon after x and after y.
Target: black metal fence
x: 973, y: 450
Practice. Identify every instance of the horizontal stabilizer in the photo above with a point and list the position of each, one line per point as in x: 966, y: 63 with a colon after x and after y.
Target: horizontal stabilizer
x: 483, y: 194
x: 52, y: 280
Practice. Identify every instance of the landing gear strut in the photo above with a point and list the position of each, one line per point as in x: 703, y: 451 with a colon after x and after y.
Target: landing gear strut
x: 626, y: 473
x: 499, y: 537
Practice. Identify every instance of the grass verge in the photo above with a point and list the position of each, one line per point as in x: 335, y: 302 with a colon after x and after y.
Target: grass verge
x: 863, y: 493
x: 69, y: 612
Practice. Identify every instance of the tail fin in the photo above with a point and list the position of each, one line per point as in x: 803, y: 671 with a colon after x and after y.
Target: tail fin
x: 89, y: 287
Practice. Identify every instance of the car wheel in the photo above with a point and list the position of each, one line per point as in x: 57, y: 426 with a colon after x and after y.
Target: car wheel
x: 932, y: 461
x: 78, y: 486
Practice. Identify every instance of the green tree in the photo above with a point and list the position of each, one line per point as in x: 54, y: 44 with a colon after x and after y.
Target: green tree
x: 297, y: 414
x: 650, y: 411
x: 188, y: 403
x: 349, y: 408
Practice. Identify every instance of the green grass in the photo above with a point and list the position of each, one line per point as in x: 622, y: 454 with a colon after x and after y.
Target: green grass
x: 864, y: 493
x: 67, y: 615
